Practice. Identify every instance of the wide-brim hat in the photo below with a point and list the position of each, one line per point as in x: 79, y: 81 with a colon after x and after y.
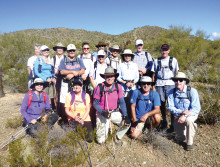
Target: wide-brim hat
x: 101, y: 43
x: 127, y: 52
x: 115, y: 47
x: 59, y: 45
x: 109, y: 71
x: 146, y: 79
x: 181, y: 75
x: 36, y: 81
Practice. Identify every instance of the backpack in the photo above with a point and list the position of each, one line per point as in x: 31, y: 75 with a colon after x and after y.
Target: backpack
x: 40, y: 66
x: 188, y: 94
x: 81, y: 57
x: 31, y: 97
x: 73, y: 97
x: 170, y: 63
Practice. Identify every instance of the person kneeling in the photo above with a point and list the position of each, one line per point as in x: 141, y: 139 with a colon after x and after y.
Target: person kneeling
x: 77, y: 108
x: 145, y: 105
x: 34, y: 102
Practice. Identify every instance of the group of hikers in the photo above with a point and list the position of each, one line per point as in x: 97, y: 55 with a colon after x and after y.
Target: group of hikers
x: 131, y: 90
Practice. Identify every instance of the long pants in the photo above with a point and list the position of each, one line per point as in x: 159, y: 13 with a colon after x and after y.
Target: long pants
x: 187, y: 130
x: 102, y: 126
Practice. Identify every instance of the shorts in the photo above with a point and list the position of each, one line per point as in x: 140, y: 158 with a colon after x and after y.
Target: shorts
x: 49, y: 89
x: 164, y: 91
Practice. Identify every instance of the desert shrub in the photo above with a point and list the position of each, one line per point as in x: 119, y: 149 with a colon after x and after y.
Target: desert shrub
x: 14, y: 122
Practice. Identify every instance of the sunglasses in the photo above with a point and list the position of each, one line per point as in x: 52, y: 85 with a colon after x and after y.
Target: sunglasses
x: 86, y: 48
x: 109, y: 76
x: 101, y: 45
x: 180, y: 80
x: 146, y: 83
x: 46, y: 50
x: 127, y: 55
x: 39, y: 84
x: 71, y: 51
x: 114, y: 50
x: 101, y: 56
x: 165, y: 49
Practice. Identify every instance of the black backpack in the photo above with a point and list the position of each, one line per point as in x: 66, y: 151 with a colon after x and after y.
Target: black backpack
x: 170, y: 63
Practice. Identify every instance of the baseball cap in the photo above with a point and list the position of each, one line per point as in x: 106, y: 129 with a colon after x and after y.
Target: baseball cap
x: 165, y: 46
x: 139, y: 42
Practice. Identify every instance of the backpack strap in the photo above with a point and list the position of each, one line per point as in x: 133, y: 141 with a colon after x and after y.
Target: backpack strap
x: 45, y: 96
x: 188, y: 93
x: 54, y: 60
x: 158, y: 64
x: 101, y: 87
x: 92, y: 57
x: 170, y: 63
x: 95, y: 67
x: 81, y: 56
x: 40, y: 65
x: 30, y: 99
x: 146, y: 54
x: 83, y: 96
x: 188, y: 90
x: 65, y: 60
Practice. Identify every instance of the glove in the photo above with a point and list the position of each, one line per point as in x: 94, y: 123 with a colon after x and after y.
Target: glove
x: 106, y: 114
x: 126, y: 121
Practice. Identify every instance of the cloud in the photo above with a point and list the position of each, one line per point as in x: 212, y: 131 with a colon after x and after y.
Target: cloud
x: 215, y: 35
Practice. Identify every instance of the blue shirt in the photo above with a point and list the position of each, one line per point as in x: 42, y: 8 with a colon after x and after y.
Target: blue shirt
x: 128, y: 72
x: 176, y: 105
x: 46, y: 69
x: 144, y: 104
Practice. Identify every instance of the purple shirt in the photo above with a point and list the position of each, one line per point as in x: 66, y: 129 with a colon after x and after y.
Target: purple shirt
x: 36, y: 107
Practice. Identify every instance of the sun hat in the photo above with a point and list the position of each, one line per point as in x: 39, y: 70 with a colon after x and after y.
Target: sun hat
x: 101, y: 43
x: 36, y: 81
x: 127, y: 52
x: 115, y: 47
x: 139, y: 42
x: 146, y: 79
x: 59, y: 45
x: 101, y: 53
x: 109, y: 71
x: 43, y: 47
x: 71, y: 47
x: 165, y: 46
x: 180, y: 75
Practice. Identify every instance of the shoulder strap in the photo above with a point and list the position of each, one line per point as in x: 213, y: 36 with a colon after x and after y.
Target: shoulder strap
x: 174, y: 93
x: 77, y: 60
x: 54, y: 60
x: 30, y: 93
x: 188, y: 93
x: 65, y: 60
x: 72, y: 97
x: 146, y: 54
x: 81, y: 56
x: 45, y: 96
x: 101, y: 87
x: 84, y: 97
x: 159, y: 64
x: 170, y: 63
x: 116, y: 86
x: 92, y: 57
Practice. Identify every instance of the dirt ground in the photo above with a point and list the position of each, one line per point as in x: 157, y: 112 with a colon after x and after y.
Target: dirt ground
x: 160, y: 152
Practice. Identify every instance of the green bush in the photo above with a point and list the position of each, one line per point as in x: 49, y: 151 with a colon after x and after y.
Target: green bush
x: 14, y: 122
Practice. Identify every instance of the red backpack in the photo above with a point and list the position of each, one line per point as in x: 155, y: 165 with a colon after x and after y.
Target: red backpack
x: 31, y: 97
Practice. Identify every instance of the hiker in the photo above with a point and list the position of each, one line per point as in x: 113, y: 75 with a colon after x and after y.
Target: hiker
x: 143, y: 59
x: 128, y: 77
x: 70, y: 67
x: 30, y: 65
x: 114, y: 59
x: 164, y: 68
x: 101, y: 46
x: 145, y: 107
x: 184, y: 104
x: 99, y: 68
x: 44, y: 70
x: 77, y: 107
x: 59, y: 49
x: 34, y: 102
x: 108, y: 96
x: 88, y: 61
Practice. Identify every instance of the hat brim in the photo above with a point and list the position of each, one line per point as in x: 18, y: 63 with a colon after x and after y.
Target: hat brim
x: 185, y: 79
x: 55, y: 48
x: 111, y: 49
x: 100, y: 45
x: 115, y: 75
x: 33, y: 85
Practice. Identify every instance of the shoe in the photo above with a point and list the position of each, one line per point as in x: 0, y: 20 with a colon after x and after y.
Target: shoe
x: 163, y: 125
x: 171, y: 129
x: 189, y: 148
x: 117, y: 141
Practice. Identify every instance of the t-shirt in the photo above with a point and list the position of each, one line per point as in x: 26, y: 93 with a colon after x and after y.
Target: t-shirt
x: 100, y: 69
x: 78, y: 106
x: 30, y: 62
x: 109, y: 100
x: 144, y: 106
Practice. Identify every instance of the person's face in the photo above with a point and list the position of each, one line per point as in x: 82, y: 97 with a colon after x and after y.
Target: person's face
x: 37, y: 51
x: 180, y: 83
x: 164, y: 52
x: 101, y: 47
x: 146, y: 86
x: 46, y: 52
x: 110, y: 79
x: 127, y: 58
x: 101, y: 58
x: 39, y: 87
x: 59, y: 50
x: 77, y: 88
x: 71, y: 53
x: 115, y: 53
x: 139, y: 47
x: 86, y: 49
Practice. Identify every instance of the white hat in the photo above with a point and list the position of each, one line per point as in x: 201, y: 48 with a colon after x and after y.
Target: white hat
x: 101, y: 52
x: 38, y: 80
x: 180, y: 75
x: 127, y: 52
x: 71, y: 47
x: 146, y: 79
x: 139, y: 42
x: 43, y: 47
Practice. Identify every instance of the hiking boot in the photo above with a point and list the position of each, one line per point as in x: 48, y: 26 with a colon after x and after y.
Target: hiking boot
x: 163, y: 125
x: 189, y: 148
x: 171, y: 129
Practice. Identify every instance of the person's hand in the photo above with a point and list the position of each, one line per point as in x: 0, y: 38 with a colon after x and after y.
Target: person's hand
x: 49, y: 80
x: 44, y: 118
x: 144, y: 118
x: 84, y: 77
x: 132, y: 129
x: 69, y: 76
x: 187, y: 112
x: 144, y: 70
x: 109, y: 44
x: 75, y: 73
x: 182, y: 119
x: 34, y: 121
x: 54, y: 80
x: 126, y: 121
x: 132, y: 84
x: 128, y: 84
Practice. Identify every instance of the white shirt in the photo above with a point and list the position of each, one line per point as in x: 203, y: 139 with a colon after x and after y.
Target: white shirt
x: 99, y: 70
x: 164, y: 75
x: 58, y: 60
x: 30, y: 62
x: 89, y: 64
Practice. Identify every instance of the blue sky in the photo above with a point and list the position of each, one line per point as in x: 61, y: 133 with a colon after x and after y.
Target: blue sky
x: 112, y: 16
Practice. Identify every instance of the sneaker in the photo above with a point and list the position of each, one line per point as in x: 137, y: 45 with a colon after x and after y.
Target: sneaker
x: 189, y: 148
x: 171, y: 129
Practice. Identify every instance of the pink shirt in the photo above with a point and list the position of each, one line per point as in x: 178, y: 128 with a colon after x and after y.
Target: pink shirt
x: 109, y: 100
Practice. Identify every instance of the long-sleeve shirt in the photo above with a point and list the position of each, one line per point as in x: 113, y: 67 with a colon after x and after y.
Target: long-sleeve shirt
x: 176, y: 105
x: 46, y: 69
x: 35, y: 109
x: 141, y: 60
x: 128, y: 72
